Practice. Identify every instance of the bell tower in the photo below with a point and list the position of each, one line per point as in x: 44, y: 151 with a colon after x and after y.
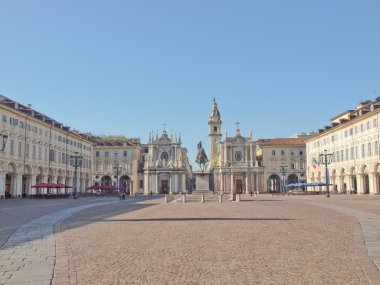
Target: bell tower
x: 215, y: 134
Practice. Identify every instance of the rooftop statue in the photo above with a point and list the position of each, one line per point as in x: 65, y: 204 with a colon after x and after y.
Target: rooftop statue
x: 201, y: 157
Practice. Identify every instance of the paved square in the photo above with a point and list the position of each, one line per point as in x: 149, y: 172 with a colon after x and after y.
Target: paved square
x: 269, y: 240
x: 261, y: 240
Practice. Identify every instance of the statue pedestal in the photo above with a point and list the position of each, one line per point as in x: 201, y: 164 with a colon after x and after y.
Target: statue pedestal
x: 202, y: 182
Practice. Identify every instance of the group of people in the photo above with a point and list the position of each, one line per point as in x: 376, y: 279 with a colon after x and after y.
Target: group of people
x: 122, y: 196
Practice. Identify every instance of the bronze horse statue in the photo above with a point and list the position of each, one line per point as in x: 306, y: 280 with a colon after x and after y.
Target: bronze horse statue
x: 201, y: 157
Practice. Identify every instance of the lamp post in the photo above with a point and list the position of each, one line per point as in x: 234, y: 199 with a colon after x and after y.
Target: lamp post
x: 3, y: 141
x: 283, y: 166
x: 117, y: 167
x: 76, y: 161
x: 324, y: 157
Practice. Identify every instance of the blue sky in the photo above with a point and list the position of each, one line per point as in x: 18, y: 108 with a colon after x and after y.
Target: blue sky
x: 126, y: 67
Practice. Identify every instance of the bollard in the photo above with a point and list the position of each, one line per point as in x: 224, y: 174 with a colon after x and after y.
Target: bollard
x: 184, y: 198
x: 202, y: 198
x: 220, y: 198
x: 237, y: 198
x: 166, y: 199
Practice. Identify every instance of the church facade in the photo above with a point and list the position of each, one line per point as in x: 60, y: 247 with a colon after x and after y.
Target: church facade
x: 166, y: 167
x: 233, y: 164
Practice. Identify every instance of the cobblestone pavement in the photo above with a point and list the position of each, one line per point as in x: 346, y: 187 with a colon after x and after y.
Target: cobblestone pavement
x: 280, y: 240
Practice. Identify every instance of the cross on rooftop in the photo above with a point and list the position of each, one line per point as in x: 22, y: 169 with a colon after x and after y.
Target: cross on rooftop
x: 237, y: 124
x: 164, y: 124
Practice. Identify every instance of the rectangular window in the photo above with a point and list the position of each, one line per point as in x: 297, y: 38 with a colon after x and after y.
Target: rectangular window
x: 97, y: 154
x: 27, y: 150
x: 97, y: 167
x: 34, y: 152
x: 361, y: 127
x: 106, y: 166
x: 368, y: 125
x: 21, y: 125
x: 273, y: 152
x: 13, y: 122
x: 357, y: 152
x: 4, y: 119
x: 106, y: 154
x: 351, y: 132
x: 352, y: 153
x: 369, y: 149
x: 356, y: 129
x: 39, y: 153
x: 63, y: 158
x: 12, y: 147
x: 342, y: 155
x: 282, y: 152
x: 376, y: 147
x: 363, y: 150
x: 51, y: 155
x: 115, y: 154
x: 374, y: 123
x: 19, y: 148
x: 125, y: 153
x: 347, y: 157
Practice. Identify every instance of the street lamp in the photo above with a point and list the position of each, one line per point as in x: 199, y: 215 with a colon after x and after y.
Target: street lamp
x: 76, y: 161
x: 283, y: 166
x: 324, y: 158
x: 117, y: 167
x: 3, y: 141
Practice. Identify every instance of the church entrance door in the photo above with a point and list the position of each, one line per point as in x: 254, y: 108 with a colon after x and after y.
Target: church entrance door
x: 164, y: 186
x: 239, y: 186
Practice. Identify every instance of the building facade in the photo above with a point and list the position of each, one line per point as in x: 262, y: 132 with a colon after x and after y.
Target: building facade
x: 38, y: 150
x: 284, y: 162
x: 118, y: 162
x: 233, y: 164
x: 166, y: 167
x: 352, y: 140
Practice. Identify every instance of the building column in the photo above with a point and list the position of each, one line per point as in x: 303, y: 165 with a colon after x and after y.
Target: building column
x: 2, y: 185
x: 183, y: 184
x: 146, y: 183
x: 170, y: 184
x: 17, y: 186
x: 359, y: 183
x: 246, y: 182
x: 157, y: 190
x: 372, y: 177
x: 225, y: 155
x: 257, y: 181
x: 232, y: 184
x: 33, y: 182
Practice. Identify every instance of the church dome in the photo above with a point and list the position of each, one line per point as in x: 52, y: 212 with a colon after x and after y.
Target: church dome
x: 214, y: 110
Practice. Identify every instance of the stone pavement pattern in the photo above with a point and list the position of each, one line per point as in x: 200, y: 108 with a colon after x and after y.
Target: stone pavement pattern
x: 272, y: 241
x: 28, y: 256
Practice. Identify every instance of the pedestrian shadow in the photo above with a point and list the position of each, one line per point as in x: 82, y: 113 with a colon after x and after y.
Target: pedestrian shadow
x: 195, y: 219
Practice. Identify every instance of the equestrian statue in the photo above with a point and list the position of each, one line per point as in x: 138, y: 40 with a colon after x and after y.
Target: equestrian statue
x: 201, y: 157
